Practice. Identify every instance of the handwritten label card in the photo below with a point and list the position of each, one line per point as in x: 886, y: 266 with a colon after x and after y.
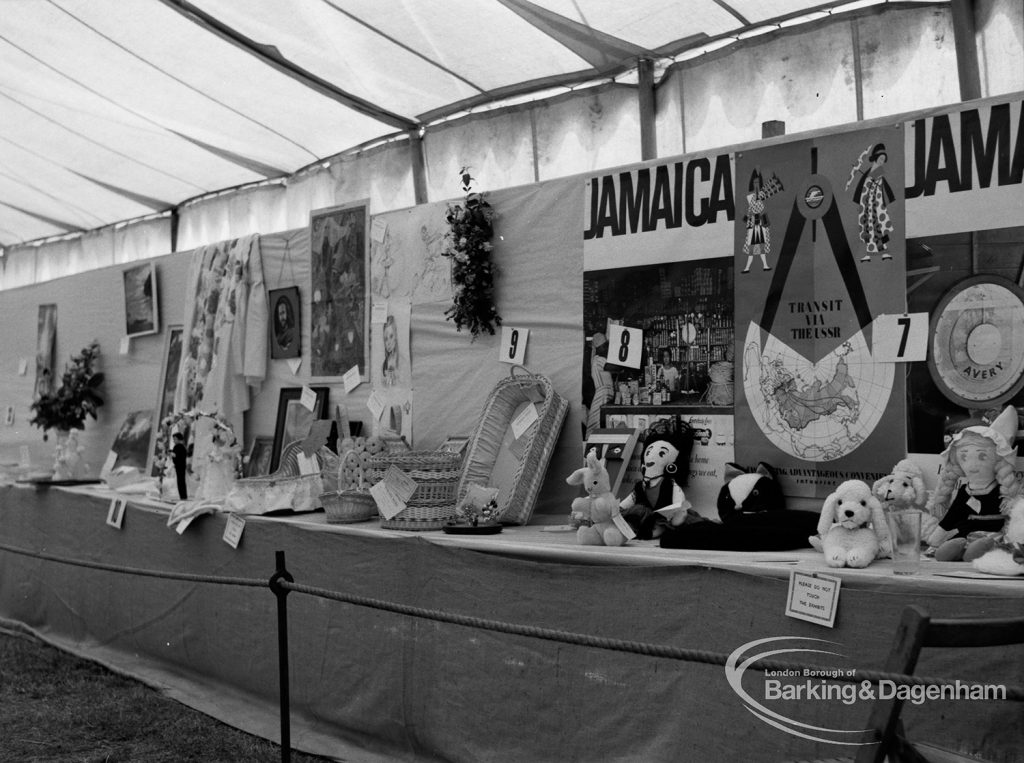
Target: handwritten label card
x: 625, y: 346
x: 379, y: 312
x: 521, y: 423
x: 308, y: 397
x: 294, y: 364
x: 620, y: 522
x: 393, y: 492
x: 233, y: 530
x: 351, y: 379
x: 126, y: 345
x: 115, y: 514
x: 378, y: 230
x: 900, y: 338
x: 813, y: 597
x: 513, y: 345
x: 376, y: 405
x: 307, y: 464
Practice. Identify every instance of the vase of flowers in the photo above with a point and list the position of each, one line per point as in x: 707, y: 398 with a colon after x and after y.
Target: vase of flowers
x: 66, y: 410
x: 468, y: 244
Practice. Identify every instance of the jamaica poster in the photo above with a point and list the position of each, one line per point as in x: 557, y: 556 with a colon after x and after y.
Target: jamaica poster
x: 819, y: 247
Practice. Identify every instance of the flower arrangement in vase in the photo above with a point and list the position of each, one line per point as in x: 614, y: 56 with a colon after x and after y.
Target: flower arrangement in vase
x: 66, y: 410
x: 468, y: 243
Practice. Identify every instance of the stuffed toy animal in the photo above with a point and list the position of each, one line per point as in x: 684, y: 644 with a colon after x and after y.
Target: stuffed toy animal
x: 903, y: 488
x: 753, y: 517
x: 665, y: 466
x: 976, y: 486
x: 852, y: 526
x: 596, y: 511
x: 1005, y: 556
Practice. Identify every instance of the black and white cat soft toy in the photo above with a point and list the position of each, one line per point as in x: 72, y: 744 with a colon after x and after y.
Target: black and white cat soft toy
x: 752, y: 517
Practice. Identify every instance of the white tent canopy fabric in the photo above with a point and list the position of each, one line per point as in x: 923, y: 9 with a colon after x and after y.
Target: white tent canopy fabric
x: 111, y: 110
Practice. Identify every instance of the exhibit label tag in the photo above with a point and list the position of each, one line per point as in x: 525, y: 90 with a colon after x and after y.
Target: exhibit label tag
x: 813, y: 597
x: 233, y: 530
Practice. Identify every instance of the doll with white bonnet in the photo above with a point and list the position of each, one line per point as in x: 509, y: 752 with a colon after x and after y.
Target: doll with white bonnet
x: 976, y: 484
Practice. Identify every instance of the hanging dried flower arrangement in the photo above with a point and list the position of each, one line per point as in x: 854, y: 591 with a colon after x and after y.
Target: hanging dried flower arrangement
x: 468, y: 243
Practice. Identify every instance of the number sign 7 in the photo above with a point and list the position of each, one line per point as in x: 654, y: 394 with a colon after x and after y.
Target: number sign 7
x: 900, y: 338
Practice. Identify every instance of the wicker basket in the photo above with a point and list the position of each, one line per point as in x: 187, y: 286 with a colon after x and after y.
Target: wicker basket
x: 436, y: 476
x: 517, y: 499
x: 284, y: 490
x: 352, y: 501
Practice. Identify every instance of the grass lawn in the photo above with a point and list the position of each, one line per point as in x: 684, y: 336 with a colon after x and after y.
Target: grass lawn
x: 57, y: 707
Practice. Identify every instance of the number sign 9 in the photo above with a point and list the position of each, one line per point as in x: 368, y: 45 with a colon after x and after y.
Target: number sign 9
x: 625, y: 346
x: 513, y: 344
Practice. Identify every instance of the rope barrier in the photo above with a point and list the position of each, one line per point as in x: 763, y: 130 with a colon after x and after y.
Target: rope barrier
x: 1013, y: 692
x: 184, y: 576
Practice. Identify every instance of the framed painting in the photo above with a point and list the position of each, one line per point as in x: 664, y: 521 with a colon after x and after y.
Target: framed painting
x: 294, y: 419
x: 168, y: 376
x: 257, y: 460
x: 133, y: 443
x: 339, y: 290
x: 46, y: 343
x: 285, y: 330
x: 141, y: 312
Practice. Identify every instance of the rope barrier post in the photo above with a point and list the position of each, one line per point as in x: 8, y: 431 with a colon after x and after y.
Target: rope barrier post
x: 282, y: 651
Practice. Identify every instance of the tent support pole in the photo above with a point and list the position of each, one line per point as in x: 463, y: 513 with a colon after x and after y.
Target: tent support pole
x: 645, y: 102
x: 964, y: 28
x: 419, y: 172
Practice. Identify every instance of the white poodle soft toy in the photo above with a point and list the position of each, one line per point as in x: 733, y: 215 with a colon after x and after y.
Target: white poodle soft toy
x: 904, y: 489
x: 1006, y: 557
x: 852, y: 526
x: 598, y: 511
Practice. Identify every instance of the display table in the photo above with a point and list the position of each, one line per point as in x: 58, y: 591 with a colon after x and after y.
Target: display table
x: 371, y: 685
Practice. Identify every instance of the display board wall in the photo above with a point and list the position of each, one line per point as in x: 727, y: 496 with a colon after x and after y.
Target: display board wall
x: 539, y: 287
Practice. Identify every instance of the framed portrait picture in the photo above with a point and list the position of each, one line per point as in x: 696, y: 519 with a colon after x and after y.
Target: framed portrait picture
x: 141, y: 314
x: 46, y: 345
x: 168, y: 376
x: 257, y: 460
x: 339, y: 290
x: 294, y: 419
x: 133, y: 443
x: 285, y: 331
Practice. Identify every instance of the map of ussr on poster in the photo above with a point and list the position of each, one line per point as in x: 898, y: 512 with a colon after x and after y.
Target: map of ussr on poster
x: 819, y: 250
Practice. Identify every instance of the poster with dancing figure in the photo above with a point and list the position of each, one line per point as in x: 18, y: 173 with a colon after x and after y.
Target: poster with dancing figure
x: 823, y: 226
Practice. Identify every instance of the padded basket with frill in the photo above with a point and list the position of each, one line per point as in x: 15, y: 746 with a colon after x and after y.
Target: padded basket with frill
x: 284, y: 490
x: 352, y: 502
x: 516, y: 466
x: 436, y: 476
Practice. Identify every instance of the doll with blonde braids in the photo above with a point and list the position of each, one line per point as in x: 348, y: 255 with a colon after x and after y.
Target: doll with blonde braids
x: 977, y: 485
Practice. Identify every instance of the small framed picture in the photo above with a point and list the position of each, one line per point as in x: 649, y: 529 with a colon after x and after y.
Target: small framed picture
x: 294, y: 419
x: 285, y: 330
x: 141, y: 311
x: 257, y: 460
x: 454, y: 445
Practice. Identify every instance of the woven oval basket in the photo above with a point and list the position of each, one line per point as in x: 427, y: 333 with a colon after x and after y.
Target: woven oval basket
x: 436, y: 476
x: 352, y: 501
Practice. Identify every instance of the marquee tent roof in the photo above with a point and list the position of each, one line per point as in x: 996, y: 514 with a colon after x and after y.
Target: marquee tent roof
x: 114, y: 109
